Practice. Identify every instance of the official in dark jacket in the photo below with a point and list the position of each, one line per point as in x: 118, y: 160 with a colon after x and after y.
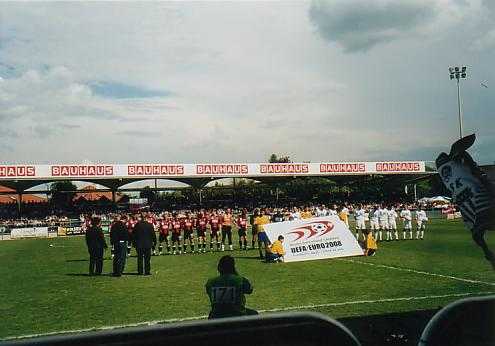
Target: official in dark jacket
x: 144, y: 238
x: 119, y: 237
x: 95, y: 240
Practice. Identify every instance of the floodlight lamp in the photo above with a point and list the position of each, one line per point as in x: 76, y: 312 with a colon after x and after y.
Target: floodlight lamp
x: 463, y: 75
x: 451, y: 69
x: 463, y: 69
x: 451, y: 76
x: 457, y: 75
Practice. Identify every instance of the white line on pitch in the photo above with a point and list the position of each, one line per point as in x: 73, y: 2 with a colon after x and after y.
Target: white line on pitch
x: 419, y: 272
x: 301, y: 307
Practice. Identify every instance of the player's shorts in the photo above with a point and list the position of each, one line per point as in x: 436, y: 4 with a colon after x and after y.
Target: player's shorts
x: 175, y: 237
x: 162, y: 237
x: 226, y: 228
x: 373, y: 224
x: 360, y: 224
x: 263, y: 238
x: 201, y: 233
x: 214, y: 232
x: 407, y: 224
x: 383, y: 224
x: 421, y: 224
x: 392, y: 225
x: 254, y: 230
x: 241, y: 232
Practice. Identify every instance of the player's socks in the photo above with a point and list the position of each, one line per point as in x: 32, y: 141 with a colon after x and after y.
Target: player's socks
x: 380, y: 234
x: 231, y: 248
x: 417, y: 234
x: 396, y: 235
x: 404, y: 235
x: 219, y: 244
x: 192, y: 247
x: 252, y: 244
x: 223, y: 247
x: 240, y: 244
x: 410, y: 235
x: 422, y: 234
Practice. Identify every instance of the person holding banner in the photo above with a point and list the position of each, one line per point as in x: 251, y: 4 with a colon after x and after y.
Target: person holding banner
x: 95, y: 240
x: 260, y: 221
x: 370, y: 244
x: 276, y: 252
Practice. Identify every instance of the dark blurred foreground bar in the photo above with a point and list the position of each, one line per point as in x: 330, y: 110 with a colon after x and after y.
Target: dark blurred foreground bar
x: 306, y: 329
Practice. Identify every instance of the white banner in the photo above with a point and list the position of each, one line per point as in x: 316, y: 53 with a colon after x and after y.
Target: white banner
x: 28, y: 232
x: 316, y: 238
x: 180, y: 170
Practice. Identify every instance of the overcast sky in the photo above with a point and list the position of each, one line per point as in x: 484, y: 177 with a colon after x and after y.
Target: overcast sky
x: 205, y: 82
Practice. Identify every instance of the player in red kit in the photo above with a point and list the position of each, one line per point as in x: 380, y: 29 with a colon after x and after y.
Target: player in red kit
x: 164, y: 228
x: 188, y: 225
x: 176, y: 233
x: 215, y: 229
x: 242, y: 229
x: 201, y: 223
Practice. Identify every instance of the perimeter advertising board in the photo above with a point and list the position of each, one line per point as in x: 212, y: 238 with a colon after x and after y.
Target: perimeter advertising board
x: 28, y: 232
x: 316, y: 238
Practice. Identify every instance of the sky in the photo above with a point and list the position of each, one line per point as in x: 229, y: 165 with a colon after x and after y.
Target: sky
x: 343, y: 80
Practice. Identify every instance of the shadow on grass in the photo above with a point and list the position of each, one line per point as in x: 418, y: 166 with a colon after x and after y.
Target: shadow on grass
x: 131, y: 274
x: 87, y: 260
x: 249, y: 257
x: 86, y: 274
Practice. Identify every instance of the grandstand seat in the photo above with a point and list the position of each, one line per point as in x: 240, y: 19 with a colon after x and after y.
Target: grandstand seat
x: 282, y: 329
x: 469, y: 321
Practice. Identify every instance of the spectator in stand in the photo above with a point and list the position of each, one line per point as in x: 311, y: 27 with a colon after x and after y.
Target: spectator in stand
x: 96, y: 243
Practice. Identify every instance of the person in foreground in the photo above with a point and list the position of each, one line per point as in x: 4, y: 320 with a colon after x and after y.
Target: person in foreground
x: 95, y: 240
x: 226, y: 291
x: 276, y: 252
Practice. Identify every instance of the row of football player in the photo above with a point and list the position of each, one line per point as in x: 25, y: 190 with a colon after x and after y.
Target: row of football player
x: 384, y: 220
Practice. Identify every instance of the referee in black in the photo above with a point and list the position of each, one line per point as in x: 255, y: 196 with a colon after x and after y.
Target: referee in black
x: 144, y: 238
x: 119, y: 237
x: 95, y: 240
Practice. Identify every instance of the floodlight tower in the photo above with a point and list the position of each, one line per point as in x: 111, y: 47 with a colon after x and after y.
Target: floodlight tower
x: 458, y: 73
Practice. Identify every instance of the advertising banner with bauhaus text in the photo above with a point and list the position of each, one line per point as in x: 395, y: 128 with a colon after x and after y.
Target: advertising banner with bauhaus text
x: 316, y: 238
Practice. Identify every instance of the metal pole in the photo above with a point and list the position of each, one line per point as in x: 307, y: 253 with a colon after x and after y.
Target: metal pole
x: 459, y: 107
x: 415, y: 195
x: 200, y: 197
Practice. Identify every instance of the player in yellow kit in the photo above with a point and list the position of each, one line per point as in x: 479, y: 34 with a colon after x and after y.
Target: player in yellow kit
x: 260, y: 221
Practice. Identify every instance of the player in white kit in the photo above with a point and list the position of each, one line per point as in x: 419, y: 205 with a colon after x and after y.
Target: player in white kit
x: 373, y: 216
x: 421, y: 220
x: 383, y: 221
x: 359, y: 215
x: 406, y: 217
x: 392, y: 222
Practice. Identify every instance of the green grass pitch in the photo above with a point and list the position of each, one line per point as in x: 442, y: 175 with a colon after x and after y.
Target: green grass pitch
x: 44, y: 289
